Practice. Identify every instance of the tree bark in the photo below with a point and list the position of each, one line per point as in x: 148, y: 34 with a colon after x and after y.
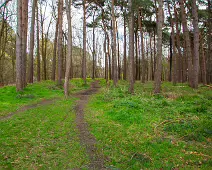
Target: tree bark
x: 131, y: 47
x: 32, y: 39
x: 84, y: 43
x: 69, y: 54
x: 125, y: 49
x: 114, y: 59
x: 60, y: 41
x: 187, y: 42
x: 196, y: 45
x: 158, y: 72
x: 38, y: 48
x: 54, y: 52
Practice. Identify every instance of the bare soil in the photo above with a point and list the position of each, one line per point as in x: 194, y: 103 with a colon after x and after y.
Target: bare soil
x: 86, y: 138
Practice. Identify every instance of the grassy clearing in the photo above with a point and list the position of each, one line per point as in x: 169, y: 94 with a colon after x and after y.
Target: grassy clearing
x: 42, y: 138
x: 143, y: 131
x: 10, y: 100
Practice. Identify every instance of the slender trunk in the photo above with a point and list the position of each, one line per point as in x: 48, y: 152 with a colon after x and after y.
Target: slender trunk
x: 203, y: 62
x: 174, y: 57
x: 19, y: 82
x: 32, y: 39
x: 136, y: 56
x: 94, y: 53
x: 142, y: 46
x: 54, y: 52
x: 209, y: 52
x: 131, y: 47
x: 69, y: 54
x: 114, y: 59
x: 38, y: 47
x: 158, y: 72
x: 84, y: 43
x: 187, y: 42
x: 60, y: 41
x: 125, y: 49
x: 196, y: 45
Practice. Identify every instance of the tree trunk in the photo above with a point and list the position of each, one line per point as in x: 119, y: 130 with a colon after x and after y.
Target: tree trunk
x: 94, y: 51
x: 69, y: 54
x: 203, y: 62
x: 114, y: 59
x: 131, y: 47
x: 158, y: 72
x: 196, y: 45
x: 187, y: 42
x: 19, y: 57
x: 125, y: 49
x: 84, y: 43
x: 38, y: 47
x: 32, y: 39
x: 174, y: 57
x: 55, y: 52
x: 209, y: 52
x: 60, y: 41
x: 142, y: 47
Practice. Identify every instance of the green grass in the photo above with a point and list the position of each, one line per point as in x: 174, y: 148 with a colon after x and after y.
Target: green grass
x: 42, y: 138
x: 10, y: 100
x: 144, y: 131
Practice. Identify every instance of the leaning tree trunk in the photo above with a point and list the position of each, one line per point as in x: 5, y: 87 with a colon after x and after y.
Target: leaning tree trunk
x: 60, y: 41
x: 32, y: 39
x: 69, y: 54
x: 158, y: 72
x: 131, y: 47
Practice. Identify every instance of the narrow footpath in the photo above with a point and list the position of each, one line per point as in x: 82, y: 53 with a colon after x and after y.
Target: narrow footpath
x: 86, y: 138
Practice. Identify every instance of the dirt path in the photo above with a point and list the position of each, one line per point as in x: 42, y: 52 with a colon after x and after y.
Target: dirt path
x: 28, y: 107
x: 86, y: 138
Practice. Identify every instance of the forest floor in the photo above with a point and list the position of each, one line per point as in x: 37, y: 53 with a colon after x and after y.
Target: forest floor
x: 105, y: 128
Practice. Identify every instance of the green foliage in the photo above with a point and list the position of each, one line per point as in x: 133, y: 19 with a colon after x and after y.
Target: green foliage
x: 146, y: 131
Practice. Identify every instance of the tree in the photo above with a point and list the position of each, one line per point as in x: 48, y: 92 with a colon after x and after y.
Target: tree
x: 158, y: 72
x: 32, y: 38
x: 21, y: 42
x: 114, y: 59
x: 60, y: 41
x: 69, y: 54
x: 131, y: 47
x: 196, y: 45
x: 84, y: 43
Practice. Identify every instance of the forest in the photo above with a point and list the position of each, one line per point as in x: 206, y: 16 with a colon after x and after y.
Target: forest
x: 105, y: 84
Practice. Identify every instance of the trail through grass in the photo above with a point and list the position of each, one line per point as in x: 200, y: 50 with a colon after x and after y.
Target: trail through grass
x: 143, y: 131
x: 10, y: 100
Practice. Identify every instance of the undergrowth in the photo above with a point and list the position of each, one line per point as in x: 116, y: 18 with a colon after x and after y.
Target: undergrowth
x: 147, y: 131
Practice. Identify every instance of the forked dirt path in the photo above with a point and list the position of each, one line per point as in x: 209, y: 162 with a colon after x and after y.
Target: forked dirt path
x: 86, y: 138
x: 28, y: 107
